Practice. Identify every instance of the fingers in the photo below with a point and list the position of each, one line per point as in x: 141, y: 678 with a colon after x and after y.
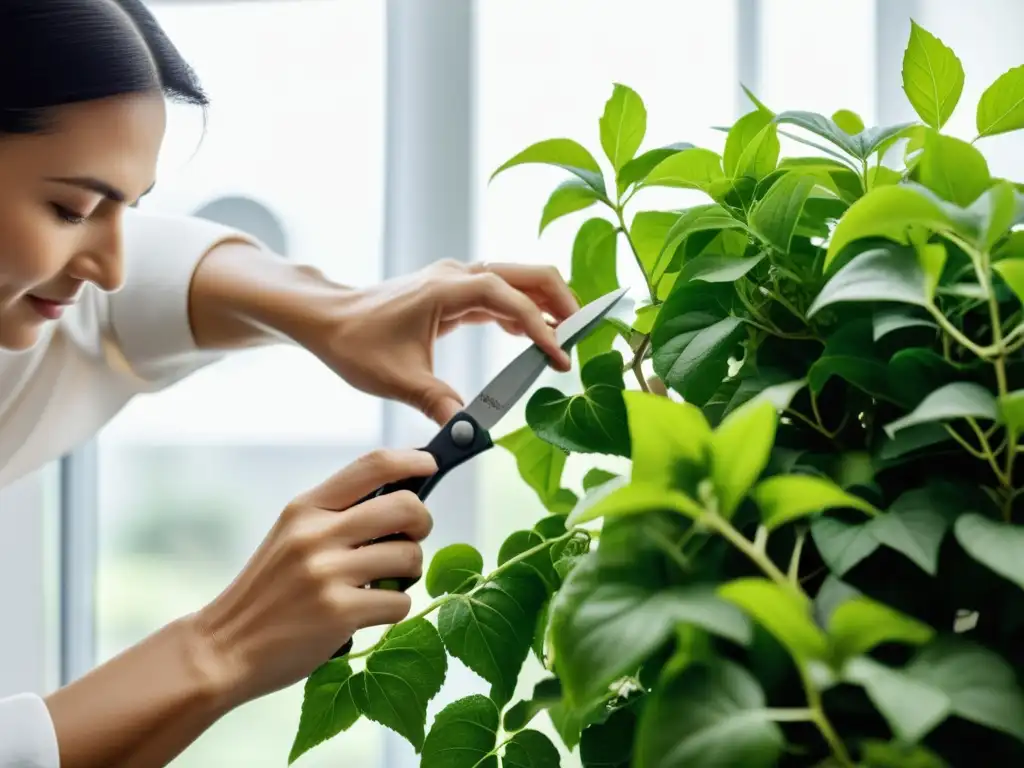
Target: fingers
x: 399, y: 512
x: 437, y: 400
x: 366, y: 474
x: 384, y: 560
x: 490, y: 291
x: 376, y: 607
x: 544, y: 283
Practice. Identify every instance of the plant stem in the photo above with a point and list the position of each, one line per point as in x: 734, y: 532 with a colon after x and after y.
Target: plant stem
x: 953, y: 331
x: 793, y: 715
x: 794, y: 560
x: 636, y: 254
x: 821, y: 719
x: 483, y: 582
x: 638, y: 361
x: 727, y: 531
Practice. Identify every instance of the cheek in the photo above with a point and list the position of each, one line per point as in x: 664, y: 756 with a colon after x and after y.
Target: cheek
x: 33, y: 249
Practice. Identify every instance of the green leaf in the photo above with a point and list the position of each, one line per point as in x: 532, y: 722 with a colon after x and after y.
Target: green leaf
x: 785, y: 613
x: 636, y: 170
x: 715, y: 268
x: 551, y: 527
x: 999, y: 208
x: 540, y: 563
x: 623, y: 125
x: 861, y: 146
x: 887, y: 212
x: 879, y: 274
x: 593, y: 260
x: 490, y: 630
x: 564, y: 153
x: 1011, y: 411
x: 848, y: 121
x: 933, y: 77
x: 878, y: 754
x: 995, y: 545
x: 784, y: 498
x: 618, y: 500
x: 859, y: 624
x: 740, y: 448
x: 665, y: 433
x: 569, y: 196
x: 546, y: 693
x: 540, y: 464
x: 1012, y: 273
x: 959, y: 400
x: 591, y: 422
x: 454, y: 569
x: 777, y: 214
x: 399, y: 701
x: 701, y: 218
x: 604, y: 629
x: 463, y: 735
x: 693, y: 338
x: 690, y: 169
x: 842, y: 545
x: 610, y: 744
x: 953, y: 169
x: 596, y: 476
x: 327, y: 707
x: 932, y: 258
x: 743, y: 132
x: 850, y: 354
x: 948, y: 677
x: 711, y: 714
x: 1001, y: 106
x: 530, y: 749
x: 761, y: 156
x: 647, y: 232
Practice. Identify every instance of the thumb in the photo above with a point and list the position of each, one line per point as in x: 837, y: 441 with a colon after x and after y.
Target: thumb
x: 438, y: 401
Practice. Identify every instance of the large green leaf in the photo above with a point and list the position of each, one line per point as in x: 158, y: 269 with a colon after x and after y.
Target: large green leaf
x: 594, y: 274
x: 1012, y: 273
x: 743, y: 132
x: 1000, y: 207
x: 648, y: 232
x: 619, y: 500
x: 954, y: 401
x: 716, y: 268
x: 784, y: 498
x: 690, y: 169
x: 603, y: 629
x: 636, y: 170
x: 711, y: 217
x: 402, y: 675
x: 712, y: 714
x: 948, y: 677
x: 593, y: 421
x: 888, y: 212
x: 953, y: 169
x: 490, y: 630
x: 740, y: 448
x: 859, y: 624
x: 463, y: 735
x: 564, y: 153
x: 891, y: 319
x: 879, y: 754
x: 849, y: 121
x: 933, y: 77
x: 623, y: 125
x: 842, y: 545
x: 609, y: 744
x: 860, y: 146
x: 995, y: 545
x: 693, y: 337
x: 540, y: 464
x: 664, y: 433
x: 761, y: 156
x: 530, y: 749
x: 775, y: 217
x: 850, y: 354
x: 570, y: 196
x: 519, y: 542
x: 454, y: 568
x: 1001, y: 106
x: 879, y: 274
x: 327, y: 707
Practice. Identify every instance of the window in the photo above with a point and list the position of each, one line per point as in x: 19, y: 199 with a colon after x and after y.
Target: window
x: 191, y: 479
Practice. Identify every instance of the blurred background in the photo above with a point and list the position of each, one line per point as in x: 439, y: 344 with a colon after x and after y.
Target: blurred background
x: 358, y: 136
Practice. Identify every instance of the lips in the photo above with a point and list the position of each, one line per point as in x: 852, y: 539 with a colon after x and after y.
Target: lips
x: 51, y: 309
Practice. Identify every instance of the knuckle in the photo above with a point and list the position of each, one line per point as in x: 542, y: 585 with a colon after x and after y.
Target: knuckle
x: 489, y: 283
x: 380, y: 461
x: 402, y: 604
x: 411, y: 556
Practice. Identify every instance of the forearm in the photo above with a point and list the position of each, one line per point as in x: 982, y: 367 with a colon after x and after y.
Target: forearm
x: 143, y: 707
x: 242, y: 296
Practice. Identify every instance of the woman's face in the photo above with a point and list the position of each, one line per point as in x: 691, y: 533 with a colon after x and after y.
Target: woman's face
x: 62, y: 198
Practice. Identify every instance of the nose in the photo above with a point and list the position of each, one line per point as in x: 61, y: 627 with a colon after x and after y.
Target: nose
x: 101, y: 258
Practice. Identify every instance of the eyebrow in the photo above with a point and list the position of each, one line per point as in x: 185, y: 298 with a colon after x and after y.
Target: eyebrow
x: 99, y: 186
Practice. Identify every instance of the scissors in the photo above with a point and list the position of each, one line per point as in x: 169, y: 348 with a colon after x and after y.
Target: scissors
x: 466, y: 434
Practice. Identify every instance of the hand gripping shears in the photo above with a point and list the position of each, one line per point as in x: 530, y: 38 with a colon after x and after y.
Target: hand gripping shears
x: 466, y: 434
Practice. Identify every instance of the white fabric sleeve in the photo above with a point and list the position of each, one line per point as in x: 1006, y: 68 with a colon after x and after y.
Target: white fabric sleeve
x: 27, y: 738
x: 149, y: 316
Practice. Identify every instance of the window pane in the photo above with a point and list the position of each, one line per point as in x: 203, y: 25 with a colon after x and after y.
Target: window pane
x: 192, y: 478
x: 545, y: 70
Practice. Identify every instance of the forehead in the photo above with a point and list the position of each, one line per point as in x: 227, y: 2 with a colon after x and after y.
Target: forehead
x: 116, y: 139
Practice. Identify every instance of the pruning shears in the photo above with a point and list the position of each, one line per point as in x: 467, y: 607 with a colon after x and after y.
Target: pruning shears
x: 466, y: 435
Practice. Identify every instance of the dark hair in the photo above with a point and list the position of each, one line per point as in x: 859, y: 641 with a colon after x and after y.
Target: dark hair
x: 56, y: 52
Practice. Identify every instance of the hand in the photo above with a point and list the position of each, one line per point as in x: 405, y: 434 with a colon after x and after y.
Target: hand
x: 300, y: 596
x: 381, y: 339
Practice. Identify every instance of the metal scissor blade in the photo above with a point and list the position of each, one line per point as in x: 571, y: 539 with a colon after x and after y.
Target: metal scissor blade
x: 505, y: 389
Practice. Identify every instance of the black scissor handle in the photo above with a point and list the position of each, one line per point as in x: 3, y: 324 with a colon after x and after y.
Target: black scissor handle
x: 457, y: 442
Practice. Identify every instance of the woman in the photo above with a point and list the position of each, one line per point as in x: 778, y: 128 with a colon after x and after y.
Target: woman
x: 100, y: 302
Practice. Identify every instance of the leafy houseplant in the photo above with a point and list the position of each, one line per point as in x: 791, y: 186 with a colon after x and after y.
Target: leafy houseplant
x: 817, y: 558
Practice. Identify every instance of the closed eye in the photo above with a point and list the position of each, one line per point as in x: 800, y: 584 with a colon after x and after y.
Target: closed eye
x: 66, y: 215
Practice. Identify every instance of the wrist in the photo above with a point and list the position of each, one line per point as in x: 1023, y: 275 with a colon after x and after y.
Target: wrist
x: 215, y: 674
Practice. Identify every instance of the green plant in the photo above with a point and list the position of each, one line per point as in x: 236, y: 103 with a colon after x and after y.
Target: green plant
x: 817, y: 558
